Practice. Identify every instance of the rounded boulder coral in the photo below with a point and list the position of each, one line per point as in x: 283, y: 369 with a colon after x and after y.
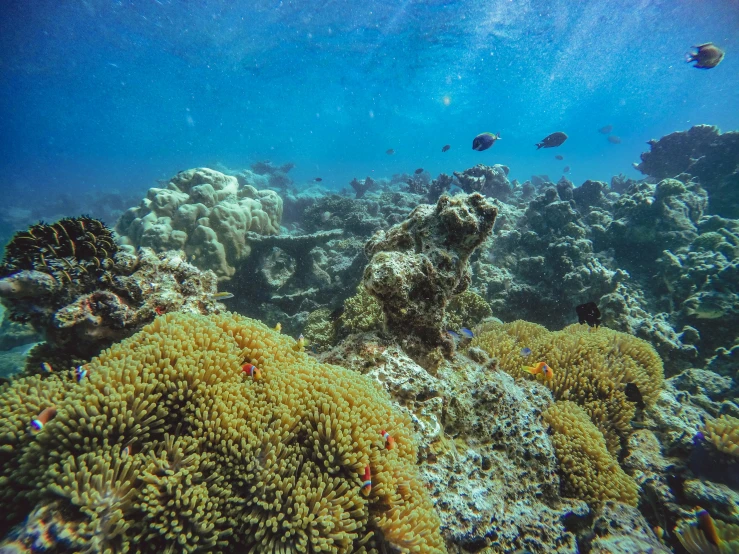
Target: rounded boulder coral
x: 167, y: 444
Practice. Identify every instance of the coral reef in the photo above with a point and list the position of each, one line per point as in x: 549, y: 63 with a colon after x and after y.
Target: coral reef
x: 491, y: 181
x: 417, y: 266
x: 362, y: 187
x: 80, y: 318
x: 705, y: 153
x: 206, y: 214
x: 591, y: 368
x: 167, y: 444
x: 484, y: 452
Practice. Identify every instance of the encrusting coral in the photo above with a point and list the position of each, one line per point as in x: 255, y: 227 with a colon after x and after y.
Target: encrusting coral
x: 592, y: 367
x: 587, y: 469
x: 166, y: 444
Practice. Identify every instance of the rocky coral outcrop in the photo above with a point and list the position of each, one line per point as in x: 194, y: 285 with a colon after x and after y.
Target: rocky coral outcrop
x: 79, y: 320
x: 417, y: 266
x: 488, y: 180
x: 206, y: 214
x: 705, y: 153
x: 484, y: 452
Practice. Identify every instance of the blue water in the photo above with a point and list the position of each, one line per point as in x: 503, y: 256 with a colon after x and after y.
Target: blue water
x: 110, y: 96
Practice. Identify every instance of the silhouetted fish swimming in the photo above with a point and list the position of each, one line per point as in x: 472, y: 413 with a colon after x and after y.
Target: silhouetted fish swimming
x: 389, y: 151
x: 559, y: 157
x: 605, y: 130
x: 708, y: 56
x: 566, y: 169
x: 418, y: 171
x: 613, y: 139
x: 445, y: 148
x: 588, y: 313
x: 550, y: 141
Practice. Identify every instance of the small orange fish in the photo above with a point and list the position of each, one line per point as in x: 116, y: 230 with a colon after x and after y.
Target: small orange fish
x: 159, y: 310
x: 367, y: 481
x: 43, y: 418
x: 542, y: 368
x: 705, y: 524
x: 389, y: 441
x: 252, y: 370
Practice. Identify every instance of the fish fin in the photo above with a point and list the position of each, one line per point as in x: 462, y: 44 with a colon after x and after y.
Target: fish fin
x: 539, y: 145
x: 497, y: 136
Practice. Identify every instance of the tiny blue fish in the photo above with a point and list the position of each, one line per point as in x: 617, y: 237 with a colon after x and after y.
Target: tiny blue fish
x: 467, y: 333
x: 454, y: 335
x: 80, y: 373
x: 46, y: 366
x: 526, y: 352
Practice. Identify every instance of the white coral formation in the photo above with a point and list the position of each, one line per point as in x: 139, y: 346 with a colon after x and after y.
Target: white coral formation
x: 206, y: 214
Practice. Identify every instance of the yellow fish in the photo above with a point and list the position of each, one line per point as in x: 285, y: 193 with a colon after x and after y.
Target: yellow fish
x: 542, y: 368
x: 278, y: 327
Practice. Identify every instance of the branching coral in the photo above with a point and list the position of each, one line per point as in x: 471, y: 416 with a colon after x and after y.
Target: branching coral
x: 591, y: 368
x: 168, y: 445
x: 588, y: 470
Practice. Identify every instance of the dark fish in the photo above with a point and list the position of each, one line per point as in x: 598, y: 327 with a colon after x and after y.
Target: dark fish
x: 337, y: 313
x: 418, y: 171
x: 566, y: 169
x: 467, y: 333
x: 613, y: 139
x: 588, y: 313
x: 483, y: 141
x: 605, y: 130
x: 389, y: 151
x: 707, y: 56
x: 555, y: 139
x: 633, y: 394
x: 318, y: 179
x: 445, y: 148
x: 559, y: 157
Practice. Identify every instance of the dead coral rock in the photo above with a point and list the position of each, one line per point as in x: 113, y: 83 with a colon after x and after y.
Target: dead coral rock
x: 417, y: 266
x: 491, y: 181
x: 363, y: 186
x: 484, y: 452
x: 621, y: 529
x: 139, y: 287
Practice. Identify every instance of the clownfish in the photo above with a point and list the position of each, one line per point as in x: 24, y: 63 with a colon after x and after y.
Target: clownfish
x: 299, y: 345
x: 705, y: 524
x: 252, y: 370
x: 366, y: 481
x: 43, y: 418
x: 389, y: 441
x: 542, y: 368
